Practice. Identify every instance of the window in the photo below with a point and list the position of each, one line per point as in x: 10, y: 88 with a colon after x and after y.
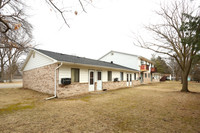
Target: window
x: 98, y: 75
x: 135, y: 76
x: 109, y: 75
x: 145, y: 75
x: 130, y: 77
x: 127, y: 78
x: 74, y: 75
x: 148, y: 75
x: 121, y: 76
x: 91, y: 78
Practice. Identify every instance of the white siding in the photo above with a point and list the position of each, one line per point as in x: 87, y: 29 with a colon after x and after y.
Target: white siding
x: 104, y: 76
x: 84, y: 75
x: 115, y: 74
x: 120, y: 76
x: 130, y: 61
x: 64, y: 72
x: 137, y: 76
x: 38, y: 60
x: 125, y: 77
x: 96, y: 74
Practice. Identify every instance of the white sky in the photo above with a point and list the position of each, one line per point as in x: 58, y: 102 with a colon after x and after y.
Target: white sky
x: 105, y: 27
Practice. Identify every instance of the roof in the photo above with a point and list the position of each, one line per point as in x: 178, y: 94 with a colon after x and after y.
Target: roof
x: 81, y: 60
x: 145, y: 59
x: 142, y: 58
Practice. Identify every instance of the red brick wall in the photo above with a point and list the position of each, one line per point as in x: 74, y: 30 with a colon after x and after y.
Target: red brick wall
x: 40, y: 79
x: 72, y: 90
x: 114, y: 85
x: 136, y: 82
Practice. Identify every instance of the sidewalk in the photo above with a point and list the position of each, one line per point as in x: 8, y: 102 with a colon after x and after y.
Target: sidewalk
x: 11, y: 85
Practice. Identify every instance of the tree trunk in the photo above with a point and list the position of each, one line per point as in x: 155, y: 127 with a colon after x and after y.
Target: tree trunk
x: 10, y: 77
x: 177, y: 77
x: 2, y: 73
x: 184, y: 82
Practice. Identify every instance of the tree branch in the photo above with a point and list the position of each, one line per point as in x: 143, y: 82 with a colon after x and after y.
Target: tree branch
x: 82, y: 6
x: 61, y: 12
x: 6, y: 24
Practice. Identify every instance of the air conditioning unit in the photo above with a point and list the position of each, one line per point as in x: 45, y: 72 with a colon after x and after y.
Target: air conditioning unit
x: 116, y: 79
x: 65, y: 81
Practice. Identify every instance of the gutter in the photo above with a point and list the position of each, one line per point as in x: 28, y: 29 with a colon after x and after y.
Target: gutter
x: 55, y: 86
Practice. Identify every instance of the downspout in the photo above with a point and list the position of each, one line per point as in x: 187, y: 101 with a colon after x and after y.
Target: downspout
x: 55, y: 86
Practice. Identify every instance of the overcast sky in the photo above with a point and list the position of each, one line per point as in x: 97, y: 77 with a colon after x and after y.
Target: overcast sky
x: 105, y: 27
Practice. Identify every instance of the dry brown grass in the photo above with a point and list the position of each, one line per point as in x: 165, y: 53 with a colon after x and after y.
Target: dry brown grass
x: 156, y: 107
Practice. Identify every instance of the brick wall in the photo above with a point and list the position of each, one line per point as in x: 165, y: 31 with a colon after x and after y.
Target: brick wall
x: 40, y: 79
x: 147, y: 80
x: 136, y: 82
x: 72, y: 90
x: 82, y: 88
x: 156, y: 80
x: 114, y: 85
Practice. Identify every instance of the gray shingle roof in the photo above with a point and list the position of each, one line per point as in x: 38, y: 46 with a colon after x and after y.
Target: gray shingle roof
x: 81, y: 60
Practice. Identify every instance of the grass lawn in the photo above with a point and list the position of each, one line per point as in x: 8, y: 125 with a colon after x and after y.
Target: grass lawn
x: 158, y: 107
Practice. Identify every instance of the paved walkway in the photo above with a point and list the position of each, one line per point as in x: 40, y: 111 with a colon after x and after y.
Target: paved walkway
x: 10, y: 85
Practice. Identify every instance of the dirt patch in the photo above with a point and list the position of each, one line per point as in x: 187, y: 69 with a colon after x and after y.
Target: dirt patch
x: 156, y: 107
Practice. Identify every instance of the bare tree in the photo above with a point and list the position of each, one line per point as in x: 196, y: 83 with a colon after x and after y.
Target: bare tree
x: 12, y: 64
x: 3, y: 53
x: 15, y: 32
x: 14, y: 28
x: 169, y: 37
x: 9, y: 58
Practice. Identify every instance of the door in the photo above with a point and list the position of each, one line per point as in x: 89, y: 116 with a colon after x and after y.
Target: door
x: 130, y: 80
x: 127, y: 79
x: 141, y: 75
x: 99, y: 81
x: 91, y: 80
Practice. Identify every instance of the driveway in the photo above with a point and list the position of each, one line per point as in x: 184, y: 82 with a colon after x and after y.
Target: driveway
x: 11, y: 85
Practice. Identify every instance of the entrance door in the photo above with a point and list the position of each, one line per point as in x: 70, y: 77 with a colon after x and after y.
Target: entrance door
x: 141, y: 75
x: 99, y: 81
x: 127, y: 79
x: 91, y: 80
x: 130, y: 79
